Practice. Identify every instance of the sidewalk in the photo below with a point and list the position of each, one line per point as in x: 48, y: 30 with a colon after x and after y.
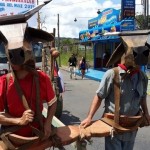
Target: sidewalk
x: 97, y: 75
x: 91, y: 73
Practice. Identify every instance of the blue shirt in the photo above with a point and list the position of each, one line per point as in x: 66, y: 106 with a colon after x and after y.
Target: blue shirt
x: 132, y: 89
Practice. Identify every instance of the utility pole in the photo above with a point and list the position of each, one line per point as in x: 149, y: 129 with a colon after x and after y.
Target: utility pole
x: 58, y: 41
x: 148, y: 21
x: 146, y: 13
x: 38, y: 19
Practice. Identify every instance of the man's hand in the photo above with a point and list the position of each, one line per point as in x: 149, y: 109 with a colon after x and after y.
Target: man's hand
x: 86, y: 122
x: 27, y: 117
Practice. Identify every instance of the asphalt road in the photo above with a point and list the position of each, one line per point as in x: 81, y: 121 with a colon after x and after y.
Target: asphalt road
x: 77, y: 99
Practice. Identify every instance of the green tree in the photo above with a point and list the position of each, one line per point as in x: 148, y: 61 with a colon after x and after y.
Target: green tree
x: 140, y: 21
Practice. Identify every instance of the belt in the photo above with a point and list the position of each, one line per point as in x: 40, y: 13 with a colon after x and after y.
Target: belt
x: 124, y: 121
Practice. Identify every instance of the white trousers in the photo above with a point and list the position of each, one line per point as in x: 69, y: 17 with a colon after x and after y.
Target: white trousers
x: 72, y: 71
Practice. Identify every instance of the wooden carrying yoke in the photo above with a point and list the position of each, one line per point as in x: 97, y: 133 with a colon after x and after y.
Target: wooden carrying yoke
x: 64, y: 136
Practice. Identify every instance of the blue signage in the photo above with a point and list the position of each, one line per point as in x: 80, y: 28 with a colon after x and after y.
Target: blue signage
x: 108, y: 21
x: 106, y: 17
x: 127, y: 25
x: 128, y: 8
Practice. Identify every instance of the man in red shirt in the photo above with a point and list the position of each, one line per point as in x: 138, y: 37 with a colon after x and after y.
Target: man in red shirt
x: 24, y: 90
x: 17, y: 114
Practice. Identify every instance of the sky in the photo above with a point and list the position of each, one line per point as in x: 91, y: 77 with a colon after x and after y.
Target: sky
x: 68, y: 10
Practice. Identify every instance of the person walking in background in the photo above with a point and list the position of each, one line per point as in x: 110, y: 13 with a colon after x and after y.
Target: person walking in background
x: 72, y: 65
x: 82, y: 66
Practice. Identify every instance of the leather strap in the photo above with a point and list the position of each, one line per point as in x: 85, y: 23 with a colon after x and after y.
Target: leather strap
x: 120, y: 128
x: 116, y: 94
x: 39, y: 115
x: 115, y: 123
x: 4, y: 136
x: 6, y: 85
x: 19, y: 91
x: 7, y: 141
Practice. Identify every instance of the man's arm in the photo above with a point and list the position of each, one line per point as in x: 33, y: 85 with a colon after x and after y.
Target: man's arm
x: 144, y: 106
x: 51, y: 111
x: 47, y: 125
x: 145, y: 109
x: 7, y: 119
x: 93, y: 108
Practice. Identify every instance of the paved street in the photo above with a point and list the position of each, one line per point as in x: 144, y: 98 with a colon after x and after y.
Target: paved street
x: 77, y: 99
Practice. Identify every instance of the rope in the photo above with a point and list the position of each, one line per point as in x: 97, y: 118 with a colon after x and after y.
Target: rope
x: 85, y: 133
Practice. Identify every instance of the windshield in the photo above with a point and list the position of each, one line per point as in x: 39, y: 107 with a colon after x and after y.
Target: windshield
x: 37, y: 49
x: 3, y: 57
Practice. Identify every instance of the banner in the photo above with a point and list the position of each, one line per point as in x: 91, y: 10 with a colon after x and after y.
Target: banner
x: 13, y: 7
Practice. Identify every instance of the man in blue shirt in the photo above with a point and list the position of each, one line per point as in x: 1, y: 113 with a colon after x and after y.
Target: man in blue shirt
x: 133, y: 87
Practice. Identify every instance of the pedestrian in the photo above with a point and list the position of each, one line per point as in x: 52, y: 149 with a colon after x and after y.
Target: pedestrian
x: 82, y: 66
x: 132, y: 90
x: 105, y: 58
x: 72, y: 65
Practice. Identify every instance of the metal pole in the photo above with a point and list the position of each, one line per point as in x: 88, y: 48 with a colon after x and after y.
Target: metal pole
x: 38, y: 19
x: 85, y: 52
x: 147, y: 13
x: 59, y: 42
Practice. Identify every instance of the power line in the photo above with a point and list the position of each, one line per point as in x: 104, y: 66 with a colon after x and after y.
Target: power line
x: 75, y: 3
x: 66, y: 4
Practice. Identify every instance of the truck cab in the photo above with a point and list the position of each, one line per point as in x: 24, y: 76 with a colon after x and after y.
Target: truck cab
x: 4, y: 65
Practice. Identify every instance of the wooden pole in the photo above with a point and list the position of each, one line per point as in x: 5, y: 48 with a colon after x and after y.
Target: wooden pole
x: 52, y: 59
x: 43, y: 60
x: 85, y: 52
x: 59, y: 42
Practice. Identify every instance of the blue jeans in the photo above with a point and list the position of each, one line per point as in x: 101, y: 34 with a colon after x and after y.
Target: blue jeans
x: 118, y: 144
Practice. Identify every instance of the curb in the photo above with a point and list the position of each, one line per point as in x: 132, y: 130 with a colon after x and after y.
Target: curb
x: 65, y: 68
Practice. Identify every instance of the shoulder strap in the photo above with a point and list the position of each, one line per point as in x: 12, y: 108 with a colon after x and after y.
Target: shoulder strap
x: 38, y: 113
x: 7, y: 79
x: 6, y: 88
x: 143, y: 75
x: 116, y: 94
x: 21, y: 95
x: 23, y: 98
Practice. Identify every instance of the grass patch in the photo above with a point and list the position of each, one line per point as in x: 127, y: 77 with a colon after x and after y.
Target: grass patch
x: 64, y: 56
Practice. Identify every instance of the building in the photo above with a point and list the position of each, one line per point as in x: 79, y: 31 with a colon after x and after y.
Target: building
x: 102, y: 33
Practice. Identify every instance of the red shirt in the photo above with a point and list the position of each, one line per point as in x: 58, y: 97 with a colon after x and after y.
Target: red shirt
x: 27, y: 85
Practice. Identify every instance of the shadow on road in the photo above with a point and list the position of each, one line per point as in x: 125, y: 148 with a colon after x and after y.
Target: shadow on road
x: 68, y: 119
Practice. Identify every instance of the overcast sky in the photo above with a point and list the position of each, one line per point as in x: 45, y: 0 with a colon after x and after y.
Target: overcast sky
x: 82, y: 10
